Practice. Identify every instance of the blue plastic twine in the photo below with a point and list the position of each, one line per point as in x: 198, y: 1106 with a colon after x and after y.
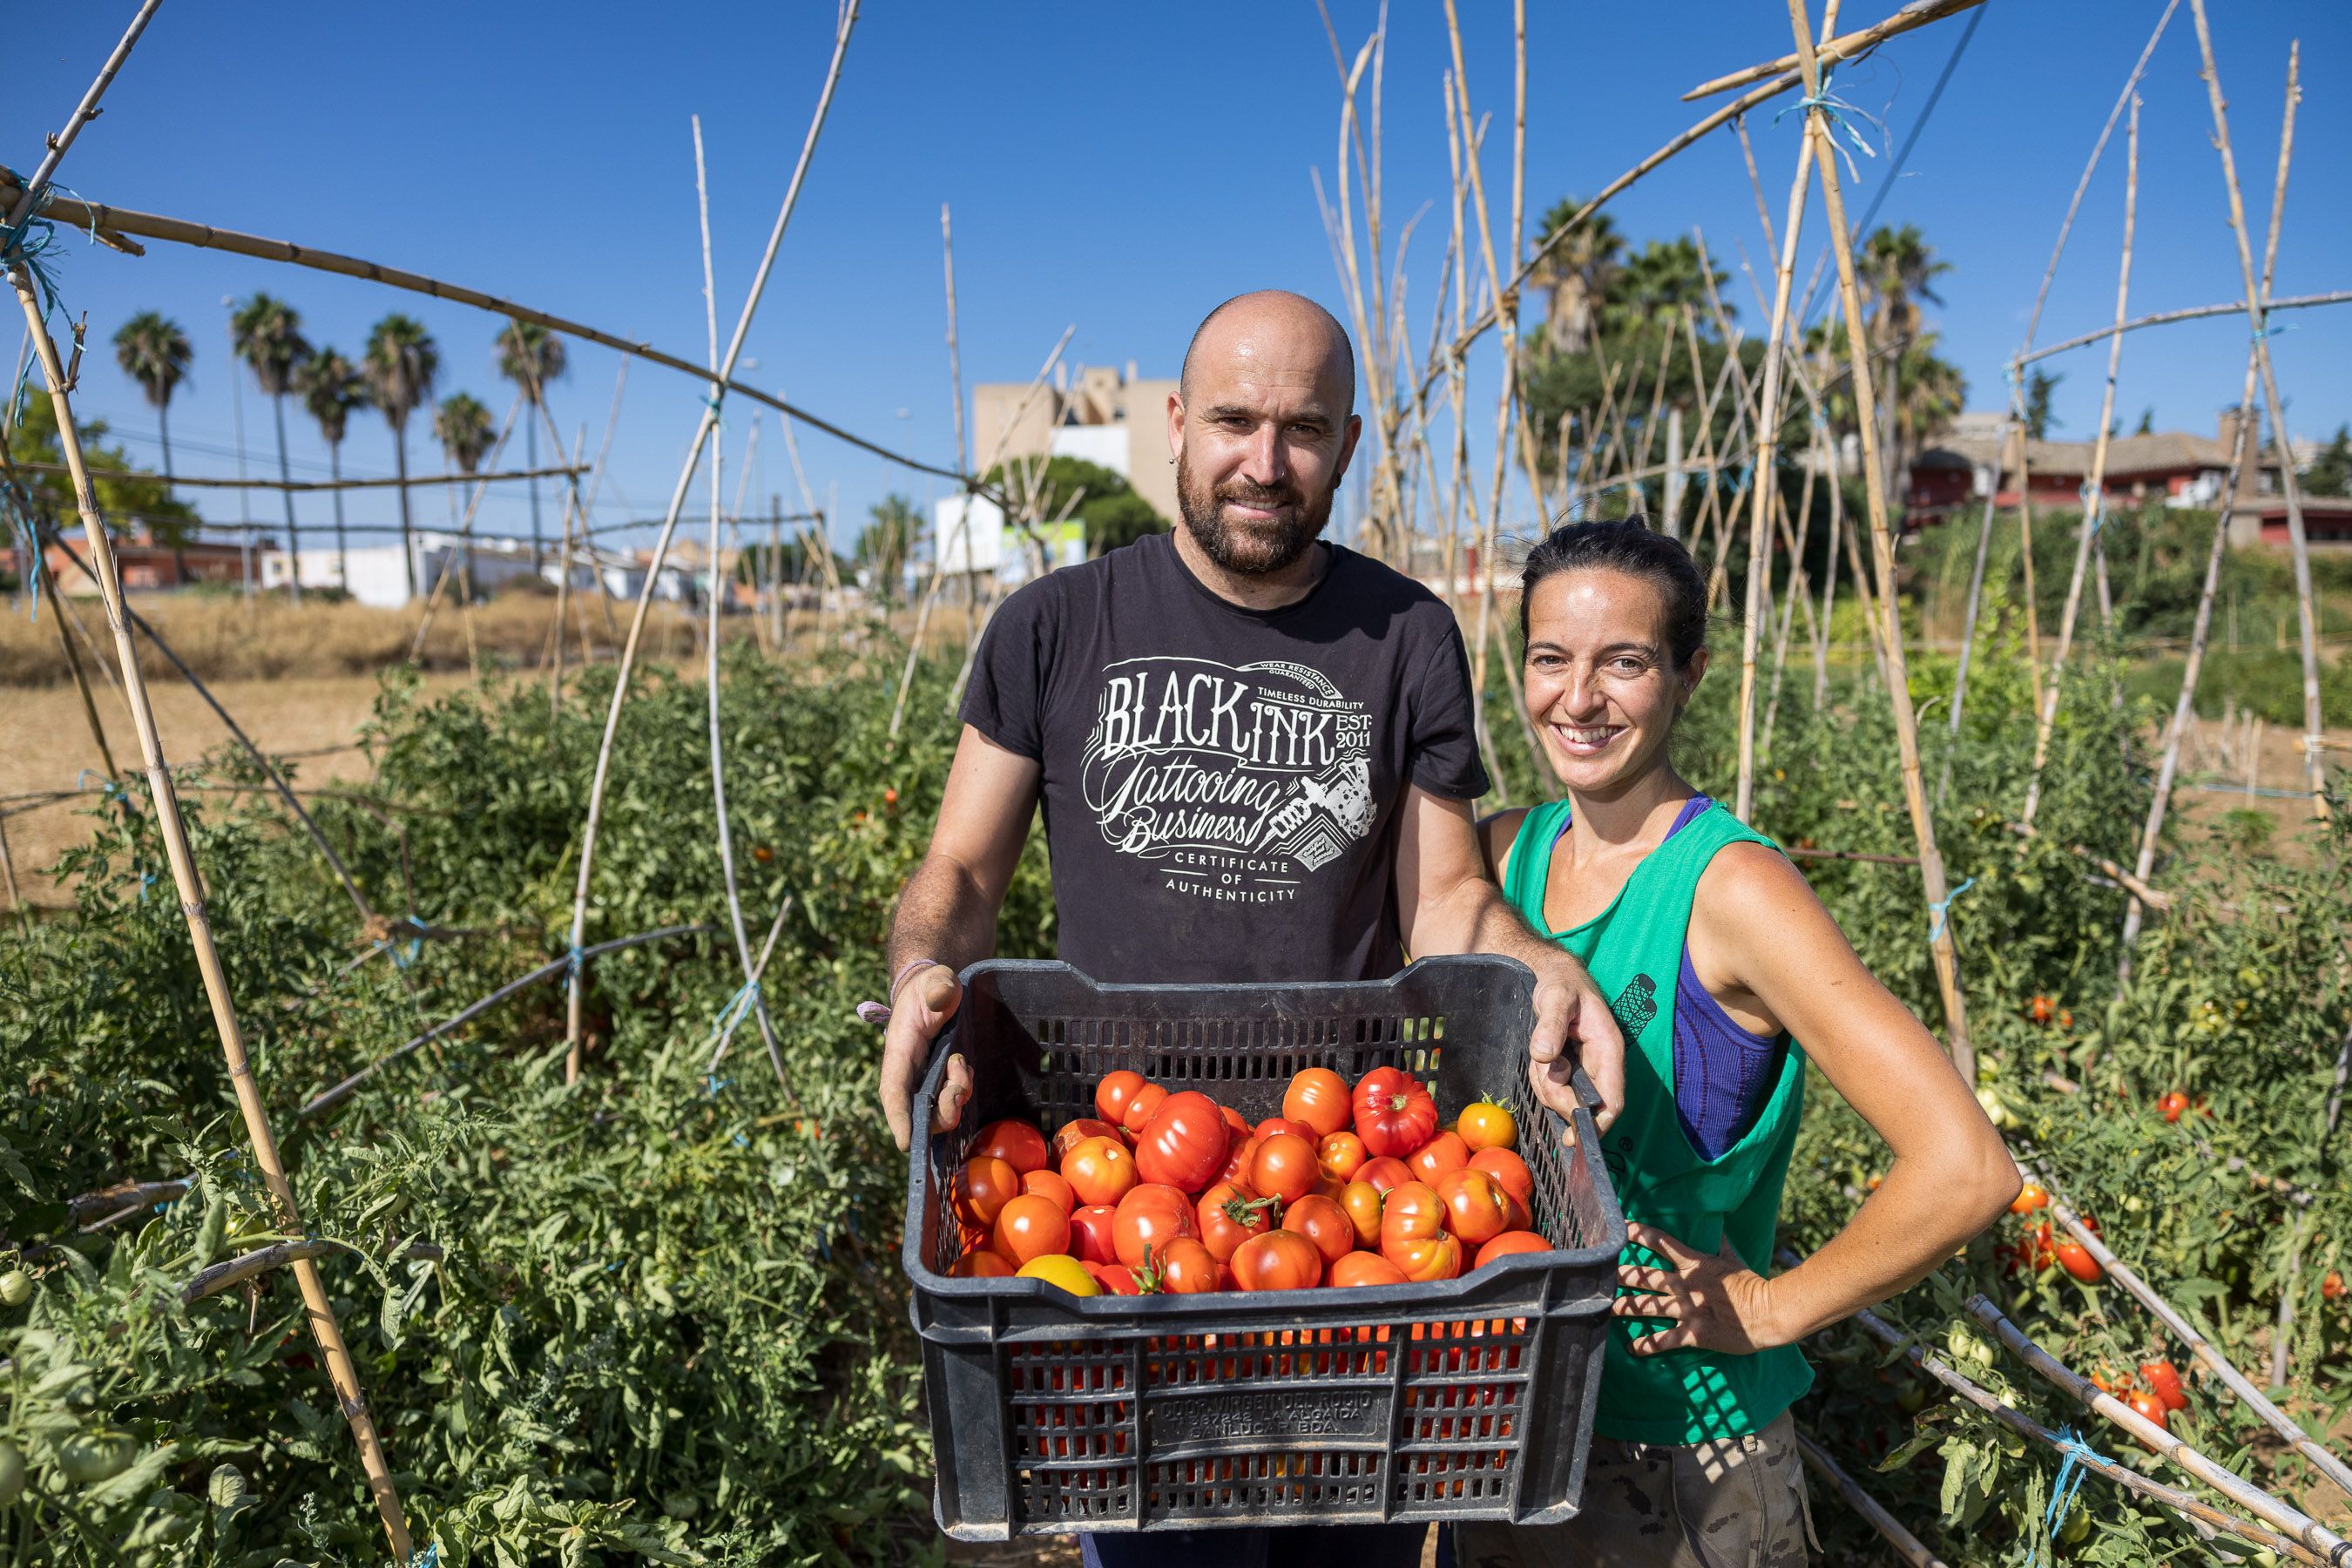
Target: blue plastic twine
x: 738, y: 1008
x: 1943, y: 909
x: 1834, y: 110
x: 428, y: 1558
x: 2071, y: 1470
x: 2272, y: 328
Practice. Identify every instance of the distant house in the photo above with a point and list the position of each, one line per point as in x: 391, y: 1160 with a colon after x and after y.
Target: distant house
x: 145, y: 565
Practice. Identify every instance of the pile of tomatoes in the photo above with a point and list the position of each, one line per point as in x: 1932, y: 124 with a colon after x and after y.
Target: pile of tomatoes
x: 2042, y: 1247
x: 1170, y: 1193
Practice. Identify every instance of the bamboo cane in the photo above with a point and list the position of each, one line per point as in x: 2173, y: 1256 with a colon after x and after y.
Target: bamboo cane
x: 23, y: 201
x: 703, y: 429
x: 1942, y: 948
x: 2283, y: 1335
x: 2315, y: 766
x: 1799, y: 594
x: 1906, y: 1544
x: 1831, y: 51
x: 80, y: 681
x: 2094, y: 504
x: 2203, y: 1348
x: 324, y: 1329
x: 2282, y: 1517
x: 8, y: 874
x: 413, y: 481
x: 955, y: 398
x: 2196, y: 313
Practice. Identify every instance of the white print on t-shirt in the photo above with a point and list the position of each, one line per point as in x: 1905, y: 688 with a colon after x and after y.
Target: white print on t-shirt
x: 1240, y: 781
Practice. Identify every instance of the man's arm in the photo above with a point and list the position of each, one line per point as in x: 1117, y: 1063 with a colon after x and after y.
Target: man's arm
x: 1445, y: 904
x: 947, y: 918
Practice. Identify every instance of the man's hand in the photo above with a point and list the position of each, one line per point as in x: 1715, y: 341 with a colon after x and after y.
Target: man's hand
x: 1573, y: 1028
x: 918, y: 1012
x: 1712, y: 1300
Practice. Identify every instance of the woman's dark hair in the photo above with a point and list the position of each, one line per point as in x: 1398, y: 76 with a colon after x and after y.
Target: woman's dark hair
x: 1634, y: 548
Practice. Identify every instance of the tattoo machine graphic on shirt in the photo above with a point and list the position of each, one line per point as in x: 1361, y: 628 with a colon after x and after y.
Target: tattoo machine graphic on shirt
x: 1239, y: 781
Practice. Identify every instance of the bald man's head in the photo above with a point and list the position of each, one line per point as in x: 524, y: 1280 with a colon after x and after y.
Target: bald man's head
x: 1242, y: 321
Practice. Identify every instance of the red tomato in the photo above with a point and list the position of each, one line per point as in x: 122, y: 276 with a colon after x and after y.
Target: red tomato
x: 1048, y: 1184
x: 2164, y: 1381
x: 1184, y: 1144
x: 1070, y: 1134
x: 2076, y: 1259
x: 1116, y: 1279
x: 1016, y: 1143
x: 1238, y: 1155
x: 1510, y: 1241
x: 1278, y: 1260
x: 981, y: 1265
x: 1099, y: 1171
x: 2029, y: 1196
x: 1477, y: 1208
x: 2144, y: 1404
x: 1385, y: 1172
x: 1114, y: 1092
x: 2040, y: 1008
x: 1365, y: 1269
x: 1340, y: 1155
x: 1093, y: 1238
x: 1235, y: 1120
x: 1283, y: 1167
x: 1322, y: 1220
x: 1394, y: 1115
x: 1319, y: 1097
x: 1029, y: 1227
x: 1444, y: 1152
x: 1182, y: 1267
x: 1362, y: 1202
x: 1510, y: 1172
x: 1427, y: 1259
x: 2332, y: 1287
x: 982, y: 1186
x: 1484, y: 1124
x: 2170, y: 1106
x: 1413, y: 1213
x: 1230, y: 1214
x: 1142, y: 1108
x: 1150, y: 1218
x: 1273, y: 1124
x: 2038, y: 1251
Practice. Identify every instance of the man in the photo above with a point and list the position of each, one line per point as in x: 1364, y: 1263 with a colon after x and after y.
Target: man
x: 1255, y: 755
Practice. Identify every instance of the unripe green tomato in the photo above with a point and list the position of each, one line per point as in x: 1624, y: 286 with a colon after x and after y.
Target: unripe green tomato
x: 12, y: 1475
x: 227, y: 1485
x: 89, y: 1457
x: 15, y: 1288
x: 2077, y: 1527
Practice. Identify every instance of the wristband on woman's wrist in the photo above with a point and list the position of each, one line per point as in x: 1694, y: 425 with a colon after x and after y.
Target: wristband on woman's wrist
x: 879, y: 1012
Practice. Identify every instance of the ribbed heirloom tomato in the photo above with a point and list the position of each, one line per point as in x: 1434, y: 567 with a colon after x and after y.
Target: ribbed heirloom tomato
x: 1477, y: 1207
x: 1099, y: 1171
x: 1285, y: 1167
x: 1273, y: 1124
x: 1413, y: 1213
x: 1113, y: 1093
x: 1317, y: 1097
x: 1427, y: 1260
x: 1394, y: 1114
x: 1141, y: 1109
x: 1184, y: 1144
x: 1016, y: 1143
x: 1230, y: 1214
x: 1444, y: 1152
x: 1278, y: 1260
x: 1029, y: 1227
x: 1150, y: 1218
x: 1385, y: 1172
x: 1070, y: 1134
x: 984, y: 1185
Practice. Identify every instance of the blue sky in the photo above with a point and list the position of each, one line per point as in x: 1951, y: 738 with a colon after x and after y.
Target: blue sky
x: 1108, y: 167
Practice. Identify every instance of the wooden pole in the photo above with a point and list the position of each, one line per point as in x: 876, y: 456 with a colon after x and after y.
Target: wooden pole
x: 703, y: 429
x: 2314, y: 756
x: 73, y: 663
x: 1944, y: 951
x: 412, y: 481
x: 1831, y: 51
x: 1906, y: 1545
x: 2094, y: 504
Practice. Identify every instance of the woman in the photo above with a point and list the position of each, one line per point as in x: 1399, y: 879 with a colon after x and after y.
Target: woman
x: 1720, y: 960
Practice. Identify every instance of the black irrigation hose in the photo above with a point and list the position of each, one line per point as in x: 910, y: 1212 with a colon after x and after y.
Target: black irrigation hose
x: 344, y: 1090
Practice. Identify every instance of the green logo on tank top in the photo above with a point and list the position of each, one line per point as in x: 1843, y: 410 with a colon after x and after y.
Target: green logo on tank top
x: 1636, y: 1005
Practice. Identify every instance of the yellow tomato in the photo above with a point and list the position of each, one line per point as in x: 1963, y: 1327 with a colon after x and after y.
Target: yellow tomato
x: 1063, y: 1272
x: 1486, y: 1125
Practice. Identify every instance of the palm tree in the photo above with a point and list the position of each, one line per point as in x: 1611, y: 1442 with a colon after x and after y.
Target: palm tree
x: 1897, y: 267
x: 329, y: 386
x: 462, y: 425
x: 1576, y: 275
x: 399, y: 366
x: 1928, y: 393
x: 154, y: 351
x: 1652, y: 286
x: 530, y: 356
x: 267, y: 334
x: 884, y: 544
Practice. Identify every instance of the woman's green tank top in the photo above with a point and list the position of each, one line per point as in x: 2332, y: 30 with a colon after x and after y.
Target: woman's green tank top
x: 1634, y: 950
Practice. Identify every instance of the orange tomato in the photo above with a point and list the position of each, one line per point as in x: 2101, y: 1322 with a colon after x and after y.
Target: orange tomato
x: 2076, y: 1259
x: 1510, y: 1241
x: 1230, y: 1214
x: 1475, y: 1205
x: 1278, y: 1260
x: 2029, y: 1196
x: 1149, y: 1218
x: 1385, y: 1172
x: 1340, y: 1155
x: 981, y: 1264
x: 1016, y: 1143
x: 1427, y: 1259
x: 1359, y: 1269
x: 1273, y: 1124
x: 1509, y: 1171
x: 1047, y: 1183
x: 1182, y: 1267
x: 1445, y: 1153
x: 1099, y: 1171
x: 1283, y: 1167
x: 1141, y: 1108
x: 1234, y: 1119
x: 1113, y: 1093
x: 1323, y: 1222
x: 1093, y: 1234
x: 983, y: 1184
x: 1362, y: 1200
x: 1029, y: 1227
x: 1484, y: 1124
x: 1319, y: 1097
x: 1413, y: 1213
x: 1070, y: 1134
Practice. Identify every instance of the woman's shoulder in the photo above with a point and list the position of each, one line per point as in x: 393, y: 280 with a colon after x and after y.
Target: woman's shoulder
x: 1496, y: 834
x: 1750, y: 886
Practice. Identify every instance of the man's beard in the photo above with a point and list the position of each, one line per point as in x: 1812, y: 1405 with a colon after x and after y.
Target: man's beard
x: 1250, y: 547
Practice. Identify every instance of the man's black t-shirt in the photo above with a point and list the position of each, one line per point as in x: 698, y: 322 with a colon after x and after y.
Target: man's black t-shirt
x: 1222, y: 785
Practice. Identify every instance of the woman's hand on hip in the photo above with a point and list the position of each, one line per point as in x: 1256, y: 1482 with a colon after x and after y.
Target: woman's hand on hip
x: 1709, y: 1301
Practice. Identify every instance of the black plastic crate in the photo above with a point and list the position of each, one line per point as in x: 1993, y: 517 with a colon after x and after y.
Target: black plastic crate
x: 1470, y: 1399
